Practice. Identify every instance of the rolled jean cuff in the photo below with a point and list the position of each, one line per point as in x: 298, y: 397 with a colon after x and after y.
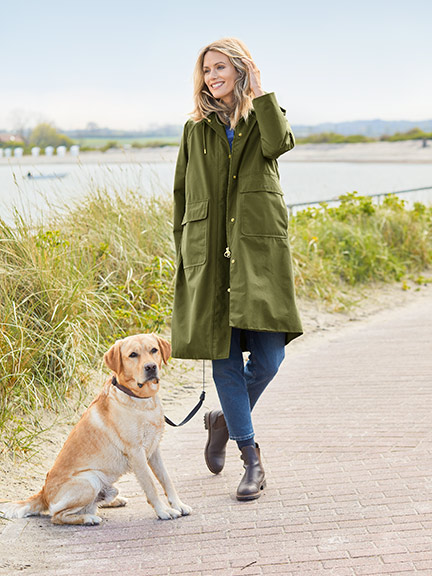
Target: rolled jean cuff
x: 241, y: 438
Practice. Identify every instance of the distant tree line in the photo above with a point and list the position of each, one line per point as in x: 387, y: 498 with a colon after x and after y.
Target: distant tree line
x: 414, y: 134
x: 46, y: 134
x: 334, y: 138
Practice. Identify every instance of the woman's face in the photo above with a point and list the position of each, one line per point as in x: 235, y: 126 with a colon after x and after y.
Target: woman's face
x: 219, y: 76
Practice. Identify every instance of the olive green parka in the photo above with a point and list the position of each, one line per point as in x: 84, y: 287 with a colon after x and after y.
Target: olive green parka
x: 231, y: 233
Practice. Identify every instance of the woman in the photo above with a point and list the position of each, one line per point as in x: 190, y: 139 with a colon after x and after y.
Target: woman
x: 234, y: 287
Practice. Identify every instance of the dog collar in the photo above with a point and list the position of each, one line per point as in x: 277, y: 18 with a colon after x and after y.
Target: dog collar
x: 126, y: 390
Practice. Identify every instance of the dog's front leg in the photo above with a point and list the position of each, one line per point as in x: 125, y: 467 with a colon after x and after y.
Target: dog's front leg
x: 158, y: 467
x: 144, y: 475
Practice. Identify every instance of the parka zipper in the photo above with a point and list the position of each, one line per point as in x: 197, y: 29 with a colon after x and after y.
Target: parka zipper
x: 227, y: 252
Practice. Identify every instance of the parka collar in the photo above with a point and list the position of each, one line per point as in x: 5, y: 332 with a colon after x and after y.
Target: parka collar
x: 243, y: 128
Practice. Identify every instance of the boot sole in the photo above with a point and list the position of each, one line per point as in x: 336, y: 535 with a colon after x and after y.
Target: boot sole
x: 254, y: 496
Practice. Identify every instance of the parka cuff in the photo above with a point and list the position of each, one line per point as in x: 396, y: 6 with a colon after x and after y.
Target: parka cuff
x: 276, y: 133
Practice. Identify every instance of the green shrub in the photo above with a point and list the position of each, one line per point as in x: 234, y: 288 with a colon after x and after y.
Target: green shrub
x: 358, y: 242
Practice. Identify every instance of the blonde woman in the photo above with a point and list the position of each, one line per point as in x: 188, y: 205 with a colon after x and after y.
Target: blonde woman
x: 234, y: 288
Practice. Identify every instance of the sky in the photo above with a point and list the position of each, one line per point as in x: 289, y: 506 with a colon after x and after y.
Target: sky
x: 127, y: 64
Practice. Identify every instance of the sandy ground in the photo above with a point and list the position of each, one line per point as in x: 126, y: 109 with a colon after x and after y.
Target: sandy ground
x: 20, y: 476
x: 395, y: 152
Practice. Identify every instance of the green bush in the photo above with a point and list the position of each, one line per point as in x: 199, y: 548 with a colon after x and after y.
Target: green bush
x: 358, y: 242
x: 46, y: 134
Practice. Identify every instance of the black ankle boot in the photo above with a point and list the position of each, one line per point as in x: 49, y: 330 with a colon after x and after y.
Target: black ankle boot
x: 215, y: 449
x: 253, y: 481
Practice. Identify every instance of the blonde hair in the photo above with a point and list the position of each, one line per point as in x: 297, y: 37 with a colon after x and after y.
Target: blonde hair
x: 205, y: 103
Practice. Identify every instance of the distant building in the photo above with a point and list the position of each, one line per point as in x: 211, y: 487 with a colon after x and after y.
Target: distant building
x: 7, y: 138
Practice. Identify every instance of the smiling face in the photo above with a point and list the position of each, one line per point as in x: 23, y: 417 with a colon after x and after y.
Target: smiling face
x: 136, y: 361
x: 219, y: 76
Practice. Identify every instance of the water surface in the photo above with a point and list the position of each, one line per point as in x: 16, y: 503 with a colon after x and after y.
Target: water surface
x: 301, y: 182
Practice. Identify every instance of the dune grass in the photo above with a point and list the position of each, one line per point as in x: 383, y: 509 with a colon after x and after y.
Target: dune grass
x: 68, y: 290
x: 104, y: 268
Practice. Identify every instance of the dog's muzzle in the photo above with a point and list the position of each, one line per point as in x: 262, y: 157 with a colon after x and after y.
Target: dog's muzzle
x: 150, y: 373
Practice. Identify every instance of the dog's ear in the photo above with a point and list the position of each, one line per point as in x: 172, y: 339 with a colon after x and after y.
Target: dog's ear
x: 165, y: 348
x: 112, y: 358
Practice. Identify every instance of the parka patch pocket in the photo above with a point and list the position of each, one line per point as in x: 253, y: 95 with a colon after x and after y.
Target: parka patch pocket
x: 264, y: 213
x: 194, y: 235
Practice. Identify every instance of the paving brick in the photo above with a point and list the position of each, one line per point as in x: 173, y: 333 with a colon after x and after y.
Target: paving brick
x: 399, y: 568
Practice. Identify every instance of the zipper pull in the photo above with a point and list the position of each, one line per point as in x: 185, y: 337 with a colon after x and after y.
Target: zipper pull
x: 227, y: 252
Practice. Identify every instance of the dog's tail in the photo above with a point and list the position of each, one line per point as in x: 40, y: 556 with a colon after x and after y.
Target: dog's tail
x: 30, y: 507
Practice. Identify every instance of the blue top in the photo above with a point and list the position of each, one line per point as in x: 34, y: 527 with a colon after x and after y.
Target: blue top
x: 230, y: 135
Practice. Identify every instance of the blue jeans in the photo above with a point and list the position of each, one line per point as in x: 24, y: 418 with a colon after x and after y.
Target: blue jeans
x: 238, y: 385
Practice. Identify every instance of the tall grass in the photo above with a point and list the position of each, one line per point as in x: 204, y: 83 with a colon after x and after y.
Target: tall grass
x: 104, y: 268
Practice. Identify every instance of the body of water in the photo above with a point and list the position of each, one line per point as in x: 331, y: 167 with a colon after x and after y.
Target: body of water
x: 301, y: 182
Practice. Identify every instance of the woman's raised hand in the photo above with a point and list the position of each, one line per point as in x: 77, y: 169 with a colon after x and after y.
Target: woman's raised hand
x: 254, y: 77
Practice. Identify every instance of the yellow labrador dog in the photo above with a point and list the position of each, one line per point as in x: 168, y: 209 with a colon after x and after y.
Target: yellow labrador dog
x: 119, y: 432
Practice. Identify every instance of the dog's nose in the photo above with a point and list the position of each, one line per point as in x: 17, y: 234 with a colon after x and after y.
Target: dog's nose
x: 150, y: 367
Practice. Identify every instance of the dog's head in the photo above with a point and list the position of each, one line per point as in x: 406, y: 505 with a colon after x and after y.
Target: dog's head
x: 136, y: 361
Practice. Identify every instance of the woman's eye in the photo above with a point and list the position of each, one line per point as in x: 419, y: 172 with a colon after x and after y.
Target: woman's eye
x: 221, y: 67
x: 133, y: 355
x: 154, y: 350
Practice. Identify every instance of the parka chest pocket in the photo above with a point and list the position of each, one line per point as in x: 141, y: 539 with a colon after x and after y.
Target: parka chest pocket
x: 195, y: 234
x: 263, y: 209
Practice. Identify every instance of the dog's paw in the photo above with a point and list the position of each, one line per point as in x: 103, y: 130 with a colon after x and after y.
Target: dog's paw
x: 165, y: 513
x: 91, y: 520
x: 117, y: 503
x: 184, y: 509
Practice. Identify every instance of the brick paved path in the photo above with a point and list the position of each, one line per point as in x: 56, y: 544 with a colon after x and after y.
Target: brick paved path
x: 346, y: 436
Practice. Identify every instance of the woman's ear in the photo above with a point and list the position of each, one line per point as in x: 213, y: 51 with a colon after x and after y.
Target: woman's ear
x: 112, y: 358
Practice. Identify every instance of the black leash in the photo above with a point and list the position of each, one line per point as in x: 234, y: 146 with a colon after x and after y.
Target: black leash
x: 194, y: 410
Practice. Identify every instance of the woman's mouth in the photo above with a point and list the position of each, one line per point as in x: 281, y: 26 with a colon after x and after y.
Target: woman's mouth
x: 216, y: 85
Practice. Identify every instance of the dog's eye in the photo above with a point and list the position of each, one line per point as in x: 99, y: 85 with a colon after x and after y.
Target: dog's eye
x: 154, y: 350
x: 133, y: 355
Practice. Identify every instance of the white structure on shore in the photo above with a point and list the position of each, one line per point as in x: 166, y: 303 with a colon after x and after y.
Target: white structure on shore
x: 36, y: 151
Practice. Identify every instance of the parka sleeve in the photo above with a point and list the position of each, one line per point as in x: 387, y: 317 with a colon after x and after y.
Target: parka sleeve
x: 276, y: 134
x: 179, y: 190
